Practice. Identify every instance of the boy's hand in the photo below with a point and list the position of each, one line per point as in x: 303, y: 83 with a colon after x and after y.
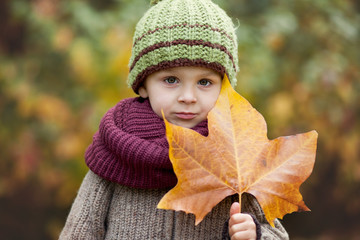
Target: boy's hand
x: 241, y: 226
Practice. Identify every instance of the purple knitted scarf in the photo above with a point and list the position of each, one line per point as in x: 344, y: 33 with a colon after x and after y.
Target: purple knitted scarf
x: 131, y: 148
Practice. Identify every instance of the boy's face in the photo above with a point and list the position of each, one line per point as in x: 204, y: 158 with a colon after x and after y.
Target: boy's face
x: 185, y: 94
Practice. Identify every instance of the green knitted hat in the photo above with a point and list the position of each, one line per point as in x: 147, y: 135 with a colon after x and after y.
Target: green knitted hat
x: 178, y: 33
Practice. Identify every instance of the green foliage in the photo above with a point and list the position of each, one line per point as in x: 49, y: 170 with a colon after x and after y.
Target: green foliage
x: 64, y: 63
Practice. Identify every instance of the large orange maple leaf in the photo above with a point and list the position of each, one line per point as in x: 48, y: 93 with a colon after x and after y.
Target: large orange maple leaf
x: 237, y: 157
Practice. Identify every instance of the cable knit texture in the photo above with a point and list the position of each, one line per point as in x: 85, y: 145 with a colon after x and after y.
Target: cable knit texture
x: 130, y: 147
x: 106, y: 210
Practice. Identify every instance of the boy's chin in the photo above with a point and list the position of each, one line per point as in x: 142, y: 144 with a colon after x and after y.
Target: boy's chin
x: 185, y: 124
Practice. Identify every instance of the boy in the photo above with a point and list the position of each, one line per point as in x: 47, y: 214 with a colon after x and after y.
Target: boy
x: 181, y: 51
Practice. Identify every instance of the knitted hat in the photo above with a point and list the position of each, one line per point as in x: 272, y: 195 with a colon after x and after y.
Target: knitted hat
x: 178, y: 33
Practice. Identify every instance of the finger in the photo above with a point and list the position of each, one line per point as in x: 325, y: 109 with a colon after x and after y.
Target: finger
x: 241, y: 222
x: 243, y: 235
x: 237, y: 218
x: 237, y: 228
x: 235, y: 208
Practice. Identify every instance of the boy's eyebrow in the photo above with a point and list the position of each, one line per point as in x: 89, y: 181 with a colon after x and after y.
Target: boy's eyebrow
x: 203, y: 74
x: 210, y: 73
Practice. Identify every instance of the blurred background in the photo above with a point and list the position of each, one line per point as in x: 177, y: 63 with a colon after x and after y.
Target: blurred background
x: 63, y: 64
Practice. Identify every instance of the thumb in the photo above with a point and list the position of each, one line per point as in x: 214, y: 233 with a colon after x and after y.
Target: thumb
x: 235, y: 208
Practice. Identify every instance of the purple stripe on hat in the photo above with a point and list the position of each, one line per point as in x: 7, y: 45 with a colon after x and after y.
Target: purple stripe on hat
x: 183, y: 25
x: 184, y: 42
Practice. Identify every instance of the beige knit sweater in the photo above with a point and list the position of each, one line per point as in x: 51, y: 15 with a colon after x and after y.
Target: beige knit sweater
x: 106, y: 210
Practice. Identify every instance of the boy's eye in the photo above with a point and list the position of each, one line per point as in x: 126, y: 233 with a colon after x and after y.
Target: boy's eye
x: 204, y: 82
x: 171, y: 80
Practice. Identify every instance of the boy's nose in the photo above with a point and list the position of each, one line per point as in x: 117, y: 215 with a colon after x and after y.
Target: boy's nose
x: 187, y: 96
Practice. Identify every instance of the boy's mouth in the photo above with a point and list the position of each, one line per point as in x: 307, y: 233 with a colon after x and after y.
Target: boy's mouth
x: 185, y: 115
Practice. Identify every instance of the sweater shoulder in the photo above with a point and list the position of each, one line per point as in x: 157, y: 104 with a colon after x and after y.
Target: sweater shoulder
x: 89, y: 210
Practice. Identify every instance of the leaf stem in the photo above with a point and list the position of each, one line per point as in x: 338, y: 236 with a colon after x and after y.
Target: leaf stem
x: 239, y: 202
